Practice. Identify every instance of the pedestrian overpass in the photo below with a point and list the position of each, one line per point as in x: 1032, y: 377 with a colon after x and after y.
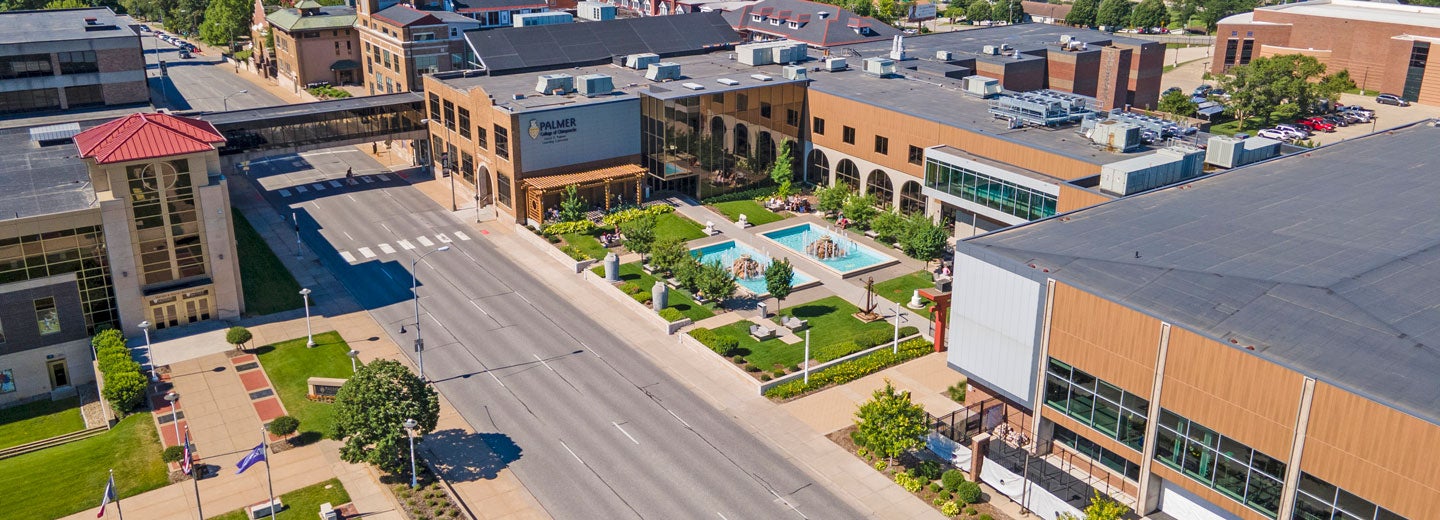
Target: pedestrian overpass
x: 291, y: 129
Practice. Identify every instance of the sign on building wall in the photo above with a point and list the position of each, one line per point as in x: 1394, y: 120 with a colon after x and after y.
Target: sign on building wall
x: 581, y: 134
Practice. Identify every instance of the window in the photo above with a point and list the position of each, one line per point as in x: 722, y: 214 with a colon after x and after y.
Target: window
x: 794, y: 25
x: 848, y: 174
x: 435, y: 107
x: 847, y: 134
x: 84, y: 95
x: 1316, y: 499
x: 1116, y: 462
x: 1246, y: 49
x: 424, y: 37
x: 482, y: 137
x: 502, y: 181
x: 1221, y: 463
x: 2, y: 332
x: 427, y: 64
x: 467, y: 167
x: 449, y: 114
x: 47, y: 317
x: 78, y: 251
x: 77, y: 62
x: 764, y: 110
x: 792, y: 117
x: 917, y: 155
x: 882, y: 145
x: 756, y: 18
x: 1231, y: 46
x: 464, y: 122
x: 502, y: 142
x: 25, y: 66
x: 717, y: 98
x: 387, y: 59
x: 817, y: 126
x: 1118, y: 414
x: 989, y: 191
x: 774, y: 21
x: 742, y: 102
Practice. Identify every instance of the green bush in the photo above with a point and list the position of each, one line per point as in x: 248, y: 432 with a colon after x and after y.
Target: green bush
x: 623, y: 216
x: 880, y: 465
x: 172, y: 454
x: 574, y: 252
x: 874, y: 337
x: 778, y: 372
x: 765, y: 376
x: 951, y: 479
x: 284, y: 425
x: 851, y: 370
x: 643, y: 297
x: 125, y: 389
x: 935, y: 487
x: 858, y: 439
x: 908, y: 331
x: 741, y: 195
x: 929, y: 470
x: 630, y: 288
x: 328, y: 92
x: 971, y: 511
x: 947, y: 495
x: 703, y: 335
x: 107, y: 337
x: 950, y: 508
x: 957, y: 392
x: 968, y: 492
x: 725, y: 346
x: 908, y: 482
x: 671, y: 314
x: 565, y: 228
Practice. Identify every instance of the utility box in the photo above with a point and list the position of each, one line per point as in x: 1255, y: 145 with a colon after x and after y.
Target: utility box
x: 591, y: 85
x: 595, y: 11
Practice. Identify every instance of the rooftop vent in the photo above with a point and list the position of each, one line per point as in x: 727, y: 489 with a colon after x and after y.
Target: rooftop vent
x: 835, y: 64
x: 663, y: 71
x: 822, y: 14
x: 794, y: 72
x: 1065, y: 38
x: 91, y: 21
x: 642, y: 60
x: 761, y: 77
x: 942, y: 55
x: 879, y: 66
x: 693, y: 86
x: 727, y: 81
x: 555, y: 83
x: 54, y: 134
x: 993, y: 50
x: 592, y: 85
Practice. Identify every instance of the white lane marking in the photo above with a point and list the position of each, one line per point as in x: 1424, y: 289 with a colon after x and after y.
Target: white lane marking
x: 627, y: 434
x: 318, y: 186
x: 367, y: 252
x: 367, y: 179
x: 467, y: 255
x: 385, y: 248
x: 572, y: 452
x: 722, y: 517
x: 347, y: 235
x: 424, y: 241
x: 405, y: 244
x: 461, y: 235
x: 477, y: 307
x: 444, y: 239
x: 502, y: 385
x: 522, y: 296
x: 347, y: 256
x: 682, y: 421
x: 284, y: 193
x: 335, y: 184
x: 300, y: 189
x: 386, y: 272
x: 542, y: 362
x: 384, y: 177
x: 387, y: 228
x: 351, y: 197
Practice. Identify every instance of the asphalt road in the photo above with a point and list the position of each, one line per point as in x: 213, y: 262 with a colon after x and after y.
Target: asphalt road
x: 590, y: 425
x: 202, y: 82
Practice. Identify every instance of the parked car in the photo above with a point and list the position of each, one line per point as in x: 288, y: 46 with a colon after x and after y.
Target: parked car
x: 1354, y: 108
x: 1171, y: 89
x: 1202, y: 90
x: 144, y: 28
x: 1355, y: 116
x: 1303, y: 131
x: 1271, y: 133
x: 1336, y: 120
x: 1315, y: 124
x: 1391, y: 99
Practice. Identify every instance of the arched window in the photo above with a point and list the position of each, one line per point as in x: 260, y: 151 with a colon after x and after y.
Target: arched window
x: 742, y: 141
x: 911, y: 200
x: 819, y: 167
x: 765, y: 149
x: 878, y: 184
x: 847, y: 174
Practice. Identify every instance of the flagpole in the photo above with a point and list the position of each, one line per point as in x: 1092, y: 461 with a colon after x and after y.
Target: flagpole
x: 194, y: 473
x: 264, y: 442
x: 118, y: 512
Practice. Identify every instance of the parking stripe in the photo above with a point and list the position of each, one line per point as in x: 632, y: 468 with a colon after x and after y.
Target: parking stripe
x: 367, y: 252
x: 406, y: 245
x: 461, y: 235
x: 347, y: 256
x: 385, y: 248
x: 424, y: 241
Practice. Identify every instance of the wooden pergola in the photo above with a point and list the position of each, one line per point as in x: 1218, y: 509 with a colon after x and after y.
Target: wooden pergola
x: 610, y: 179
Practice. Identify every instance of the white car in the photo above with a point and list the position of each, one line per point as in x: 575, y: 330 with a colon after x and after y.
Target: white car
x: 1271, y: 133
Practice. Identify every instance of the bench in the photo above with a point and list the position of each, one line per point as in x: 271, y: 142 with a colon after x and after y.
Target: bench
x: 793, y: 323
x: 761, y: 333
x: 263, y: 509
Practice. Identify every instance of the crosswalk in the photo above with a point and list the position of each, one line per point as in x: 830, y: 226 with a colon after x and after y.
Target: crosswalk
x: 286, y: 193
x: 367, y: 252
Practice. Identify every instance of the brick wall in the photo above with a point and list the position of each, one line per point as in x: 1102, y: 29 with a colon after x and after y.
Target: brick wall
x: 1114, y: 77
x: 125, y: 93
x: 115, y: 60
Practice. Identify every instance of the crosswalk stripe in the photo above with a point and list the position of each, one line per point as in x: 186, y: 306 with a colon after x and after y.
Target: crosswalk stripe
x: 367, y: 252
x: 367, y: 179
x: 347, y: 256
x: 384, y: 177
x: 443, y: 238
x: 284, y: 193
x: 335, y: 184
x: 385, y: 248
x: 318, y: 186
x: 406, y: 245
x: 352, y: 182
x: 300, y: 189
x: 424, y: 241
x: 461, y: 235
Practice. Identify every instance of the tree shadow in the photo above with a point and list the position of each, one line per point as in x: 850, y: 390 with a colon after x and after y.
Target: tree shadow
x: 471, y: 456
x: 812, y: 311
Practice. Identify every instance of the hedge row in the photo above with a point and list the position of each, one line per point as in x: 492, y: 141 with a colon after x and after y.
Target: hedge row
x: 564, y: 228
x: 623, y: 216
x: 723, y: 345
x: 851, y: 370
x: 124, y: 379
x: 741, y: 195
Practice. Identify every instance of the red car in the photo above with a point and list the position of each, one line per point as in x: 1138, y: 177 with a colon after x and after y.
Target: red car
x: 1316, y: 124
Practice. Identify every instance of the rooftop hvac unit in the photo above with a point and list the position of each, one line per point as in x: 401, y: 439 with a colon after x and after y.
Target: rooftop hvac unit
x: 592, y: 85
x: 794, y: 72
x: 552, y: 83
x: 642, y: 60
x: 1116, y: 136
x: 991, y: 50
x: 1065, y: 38
x: 942, y: 55
x: 788, y: 52
x: 981, y: 86
x: 879, y: 66
x: 727, y: 82
x: 835, y: 64
x: 663, y: 71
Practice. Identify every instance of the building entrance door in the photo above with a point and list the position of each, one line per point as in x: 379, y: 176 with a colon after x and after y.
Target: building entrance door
x: 59, y: 375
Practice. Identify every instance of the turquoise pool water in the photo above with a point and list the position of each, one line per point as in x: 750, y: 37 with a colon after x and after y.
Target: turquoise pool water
x: 727, y: 252
x: 856, y: 256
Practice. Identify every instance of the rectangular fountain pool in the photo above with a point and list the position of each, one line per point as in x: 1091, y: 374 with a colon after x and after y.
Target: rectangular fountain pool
x: 727, y: 252
x: 851, y: 258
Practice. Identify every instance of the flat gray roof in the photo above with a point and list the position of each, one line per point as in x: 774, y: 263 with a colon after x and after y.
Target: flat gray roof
x: 1325, y: 262
x: 41, y: 180
x: 63, y: 24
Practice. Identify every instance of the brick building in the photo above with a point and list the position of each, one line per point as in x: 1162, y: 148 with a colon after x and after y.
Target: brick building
x: 315, y: 44
x: 67, y: 58
x: 1385, y: 46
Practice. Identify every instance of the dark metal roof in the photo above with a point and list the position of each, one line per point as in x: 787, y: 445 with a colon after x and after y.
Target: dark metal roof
x: 220, y: 119
x: 64, y: 24
x: 468, y: 6
x: 1325, y: 262
x: 41, y: 180
x: 839, y: 27
x: 549, y: 46
x: 405, y: 16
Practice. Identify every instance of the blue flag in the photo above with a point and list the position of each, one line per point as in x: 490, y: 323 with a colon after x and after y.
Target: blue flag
x: 255, y: 455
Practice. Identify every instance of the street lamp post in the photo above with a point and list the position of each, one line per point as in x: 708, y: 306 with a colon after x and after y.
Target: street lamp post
x: 445, y: 160
x: 415, y: 290
x: 171, y: 397
x: 410, y: 432
x: 145, y: 327
x: 353, y: 355
x: 309, y: 335
x: 896, y: 349
x: 226, y: 101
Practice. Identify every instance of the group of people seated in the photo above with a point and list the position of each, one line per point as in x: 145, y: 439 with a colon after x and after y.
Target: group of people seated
x: 611, y: 239
x: 843, y: 221
x: 793, y: 203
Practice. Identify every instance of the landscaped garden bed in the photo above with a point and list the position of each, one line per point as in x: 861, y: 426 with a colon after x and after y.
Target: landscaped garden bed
x: 302, y: 503
x: 637, y: 283
x: 290, y: 365
x: 930, y: 480
x: 427, y: 500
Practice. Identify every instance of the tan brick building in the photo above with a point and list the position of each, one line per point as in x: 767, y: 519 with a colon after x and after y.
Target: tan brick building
x: 401, y: 44
x: 68, y: 58
x: 315, y: 44
x: 1385, y: 47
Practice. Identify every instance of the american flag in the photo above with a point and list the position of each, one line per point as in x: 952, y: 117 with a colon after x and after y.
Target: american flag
x: 185, y: 464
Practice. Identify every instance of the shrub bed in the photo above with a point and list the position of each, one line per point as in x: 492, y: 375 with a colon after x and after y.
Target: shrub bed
x: 565, y: 228
x: 671, y: 314
x: 751, y: 194
x: 851, y: 370
x: 124, y: 380
x: 623, y: 216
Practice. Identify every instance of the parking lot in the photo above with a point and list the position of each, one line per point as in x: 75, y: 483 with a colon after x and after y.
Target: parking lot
x: 1386, y: 116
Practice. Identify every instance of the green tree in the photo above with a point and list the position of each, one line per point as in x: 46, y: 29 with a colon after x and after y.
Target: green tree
x: 715, y: 282
x: 890, y: 423
x: 639, y: 235
x: 66, y: 4
x: 668, y: 253
x: 862, y: 7
x: 371, y: 409
x: 861, y: 208
x: 1113, y: 13
x: 832, y: 198
x: 778, y: 277
x: 889, y: 226
x: 224, y: 20
x: 1101, y: 507
x: 1149, y: 13
x: 1177, y: 103
x: 125, y: 388
x: 783, y: 171
x: 887, y: 10
x: 1008, y: 10
x: 954, y: 10
x: 1082, y: 13
x: 1279, y: 87
x: 571, y: 207
x: 1212, y: 11
x: 238, y: 336
x: 979, y: 10
x: 923, y: 239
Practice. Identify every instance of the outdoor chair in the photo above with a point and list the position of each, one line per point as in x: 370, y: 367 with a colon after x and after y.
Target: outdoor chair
x: 793, y: 323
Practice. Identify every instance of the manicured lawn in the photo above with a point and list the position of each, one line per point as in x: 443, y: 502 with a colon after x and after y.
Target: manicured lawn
x: 832, y: 323
x: 587, y: 244
x: 289, y: 364
x: 268, y: 286
x: 302, y: 503
x: 672, y: 225
x: 59, y: 481
x: 632, y: 273
x: 1253, y: 125
x: 39, y: 421
x: 753, y: 211
x: 899, y: 289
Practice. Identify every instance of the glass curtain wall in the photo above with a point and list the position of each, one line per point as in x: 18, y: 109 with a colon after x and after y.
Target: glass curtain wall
x: 80, y: 251
x: 320, y: 128
x: 166, y: 227
x: 1221, y: 463
x: 982, y: 189
x: 1118, y: 414
x: 710, y: 144
x: 1317, y: 499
